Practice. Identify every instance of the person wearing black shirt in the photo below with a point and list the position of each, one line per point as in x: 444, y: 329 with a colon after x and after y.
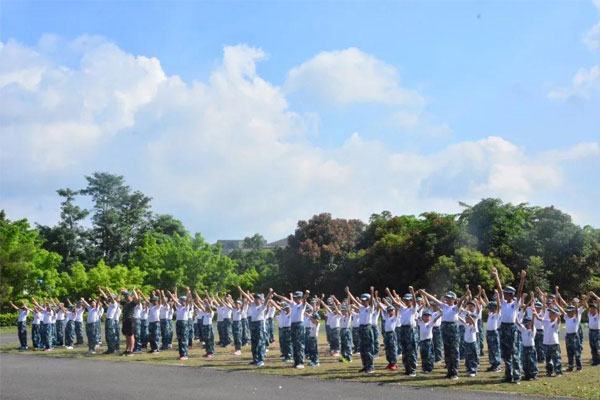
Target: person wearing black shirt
x: 129, y: 301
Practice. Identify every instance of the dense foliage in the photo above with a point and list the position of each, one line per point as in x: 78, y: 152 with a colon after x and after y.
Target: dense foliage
x: 121, y: 243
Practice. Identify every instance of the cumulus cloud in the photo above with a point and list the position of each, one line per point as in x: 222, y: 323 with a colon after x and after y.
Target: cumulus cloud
x: 592, y: 37
x: 228, y: 155
x: 586, y: 83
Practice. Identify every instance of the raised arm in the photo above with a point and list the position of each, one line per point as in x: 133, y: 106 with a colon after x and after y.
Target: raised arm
x: 521, y: 283
x: 351, y: 297
x: 430, y: 297
x: 13, y: 305
x: 498, y: 283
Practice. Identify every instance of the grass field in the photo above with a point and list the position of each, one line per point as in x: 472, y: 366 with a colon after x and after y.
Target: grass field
x: 585, y: 384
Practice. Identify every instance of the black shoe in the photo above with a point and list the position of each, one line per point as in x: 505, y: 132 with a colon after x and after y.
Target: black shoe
x: 125, y: 353
x: 108, y: 352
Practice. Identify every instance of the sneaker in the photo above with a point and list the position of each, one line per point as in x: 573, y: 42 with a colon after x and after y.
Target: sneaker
x: 343, y: 360
x: 394, y: 367
x: 251, y: 363
x: 300, y: 366
x: 183, y: 358
x: 426, y: 372
x: 260, y: 364
x: 579, y: 369
x: 516, y: 382
x: 370, y: 370
x: 413, y: 374
x: 89, y: 351
x: 569, y: 368
x: 313, y: 364
x: 453, y: 377
x: 237, y: 353
x: 137, y: 351
x: 108, y: 352
x: 471, y: 375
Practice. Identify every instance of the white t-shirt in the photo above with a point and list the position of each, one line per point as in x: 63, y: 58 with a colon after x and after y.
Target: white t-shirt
x: 438, y: 322
x: 551, y: 331
x: 37, y: 318
x: 23, y: 315
x: 163, y: 311
x: 117, y: 313
x: 307, y: 322
x: 425, y: 329
x: 92, y: 316
x: 154, y: 313
x: 572, y: 324
x: 314, y: 329
x: 493, y: 321
x: 207, y: 317
x: 594, y: 321
x: 527, y: 336
x: 284, y: 319
x: 355, y: 319
x: 539, y: 325
x: 221, y: 311
x: 47, y: 316
x: 60, y: 315
x: 449, y: 313
x: 271, y: 312
x: 346, y: 321
x: 170, y: 313
x: 408, y: 316
x: 111, y: 310
x: 137, y: 311
x: 144, y: 314
x: 259, y: 312
x: 79, y: 314
x: 236, y: 314
x: 471, y: 333
x: 245, y: 311
x: 375, y: 316
x: 182, y: 313
x: 297, y: 311
x: 334, y: 320
x: 389, y: 322
x: 509, y: 312
x: 70, y: 315
x: 365, y: 314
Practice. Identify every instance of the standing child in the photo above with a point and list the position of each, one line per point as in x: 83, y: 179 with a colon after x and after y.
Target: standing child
x: 22, y: 324
x: 79, y: 323
x: 375, y: 329
x: 61, y: 314
x: 539, y: 331
x: 551, y: 341
x: 333, y: 322
x: 298, y: 304
x: 529, y: 356
x: 144, y: 322
x: 594, y: 326
x: 154, y: 321
x: 426, y: 327
x: 237, y: 326
x: 438, y: 343
x: 257, y: 329
x: 90, y: 326
x: 390, y: 319
x: 355, y: 329
x: 109, y: 324
x: 181, y: 326
x: 572, y: 322
x: 208, y: 313
x: 284, y: 321
x: 492, y: 337
x: 366, y: 310
x: 99, y: 323
x: 471, y: 345
x: 70, y: 328
x: 164, y: 333
x: 36, y: 332
x: 408, y: 321
x: 313, y: 341
x: 345, y: 334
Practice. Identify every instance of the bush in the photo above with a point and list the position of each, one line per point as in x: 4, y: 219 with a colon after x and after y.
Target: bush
x: 8, y: 319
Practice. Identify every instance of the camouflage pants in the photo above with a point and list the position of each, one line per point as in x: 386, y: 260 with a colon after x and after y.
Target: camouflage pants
x: 509, y: 348
x: 36, y: 336
x: 312, y: 351
x: 109, y: 334
x: 79, y: 332
x: 539, y: 346
x: 480, y: 336
x: 53, y: 328
x: 226, y: 339
x: 181, y: 329
x: 375, y: 330
x: 47, y: 336
x: 461, y: 348
x: 297, y: 336
x: 60, y: 332
x: 138, y: 334
x: 346, y: 343
x: 366, y: 345
x: 471, y: 357
x: 573, y: 350
x: 209, y: 338
x: 70, y: 333
x: 530, y: 364
x: 355, y: 339
x: 594, y: 336
x: 398, y: 341
x: 580, y: 333
x: 334, y: 339
x: 117, y: 334
x: 98, y: 331
x: 257, y: 341
x: 270, y: 330
x: 409, y: 349
x: 90, y: 331
x: 197, y: 328
x: 154, y: 335
x: 22, y: 330
x: 285, y: 343
x: 163, y: 334
x: 169, y: 332
x: 493, y: 343
x: 438, y: 344
x: 190, y: 332
x: 391, y: 351
x: 553, y: 359
x: 328, y: 333
x: 144, y: 335
x: 451, y: 347
x: 427, y: 357
x: 236, y: 331
x: 245, y: 331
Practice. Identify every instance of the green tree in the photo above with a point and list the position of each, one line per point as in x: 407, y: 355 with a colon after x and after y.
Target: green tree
x: 255, y: 242
x: 257, y: 264
x: 467, y: 267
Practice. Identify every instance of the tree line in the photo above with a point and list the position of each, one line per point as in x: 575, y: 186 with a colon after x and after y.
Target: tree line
x: 120, y: 242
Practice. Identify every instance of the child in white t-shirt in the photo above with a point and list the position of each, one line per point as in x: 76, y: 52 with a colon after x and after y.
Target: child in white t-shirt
x: 551, y: 342
x: 471, y: 345
x: 426, y: 325
x: 313, y: 341
x: 529, y: 354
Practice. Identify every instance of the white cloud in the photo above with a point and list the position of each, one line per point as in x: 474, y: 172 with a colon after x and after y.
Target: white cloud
x: 351, y: 76
x: 586, y: 83
x: 592, y: 37
x: 228, y: 155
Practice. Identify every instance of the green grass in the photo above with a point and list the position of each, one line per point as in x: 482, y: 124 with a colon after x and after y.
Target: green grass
x: 8, y: 330
x: 579, y: 385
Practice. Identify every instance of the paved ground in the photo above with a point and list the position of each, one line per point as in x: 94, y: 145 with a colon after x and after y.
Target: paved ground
x: 30, y: 377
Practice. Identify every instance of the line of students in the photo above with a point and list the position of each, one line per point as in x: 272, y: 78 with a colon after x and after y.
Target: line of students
x: 417, y: 324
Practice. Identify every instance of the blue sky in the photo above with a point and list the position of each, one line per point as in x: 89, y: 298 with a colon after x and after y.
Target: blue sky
x: 243, y: 117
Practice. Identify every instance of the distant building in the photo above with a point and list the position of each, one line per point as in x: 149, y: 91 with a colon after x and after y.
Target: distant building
x: 230, y: 245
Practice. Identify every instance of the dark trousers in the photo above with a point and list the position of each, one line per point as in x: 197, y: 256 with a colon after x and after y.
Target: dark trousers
x: 451, y: 347
x: 22, y: 330
x: 154, y: 335
x: 509, y: 348
x: 181, y: 328
x: 297, y: 333
x: 60, y: 332
x: 79, y: 332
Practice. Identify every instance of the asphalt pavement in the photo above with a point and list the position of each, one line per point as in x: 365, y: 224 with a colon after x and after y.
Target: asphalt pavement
x: 33, y: 377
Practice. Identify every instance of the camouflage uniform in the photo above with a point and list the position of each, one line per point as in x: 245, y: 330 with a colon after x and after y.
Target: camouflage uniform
x: 530, y: 366
x: 366, y: 345
x: 47, y: 335
x: 356, y: 339
x: 553, y: 359
x: 236, y: 331
x: 144, y: 333
x: 539, y: 346
x: 257, y: 331
x: 594, y: 336
x: 471, y: 357
x: 109, y: 334
x: 480, y: 335
x: 438, y: 344
x: 98, y: 331
x: 190, y: 332
x: 138, y: 334
x: 409, y: 349
x: 226, y: 340
x: 346, y: 343
x: 22, y: 329
x: 398, y: 339
x: 245, y: 331
x: 79, y: 332
x: 461, y: 349
x: 60, y: 332
x: 334, y: 339
x: 297, y: 337
x: 285, y: 343
x: 451, y: 347
x: 154, y: 335
x: 391, y: 351
x: 181, y: 329
x: 36, y: 336
x: 209, y: 339
x: 90, y: 330
x: 493, y: 342
x: 70, y: 333
x: 375, y: 330
x: 270, y: 330
x: 509, y: 348
x: 580, y: 334
x: 163, y: 334
x: 427, y: 358
x: 573, y: 350
x: 312, y: 351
